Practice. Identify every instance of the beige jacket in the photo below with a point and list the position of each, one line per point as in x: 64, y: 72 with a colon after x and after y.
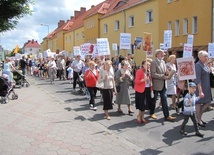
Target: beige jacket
x: 158, y: 71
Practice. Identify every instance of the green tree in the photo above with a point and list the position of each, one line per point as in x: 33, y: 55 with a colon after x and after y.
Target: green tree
x: 11, y: 11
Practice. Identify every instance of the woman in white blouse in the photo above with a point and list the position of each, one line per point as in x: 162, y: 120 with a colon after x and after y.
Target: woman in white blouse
x: 107, y: 77
x: 52, y: 69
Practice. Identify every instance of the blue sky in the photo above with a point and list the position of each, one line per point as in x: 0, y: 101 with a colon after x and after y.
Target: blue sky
x: 46, y: 12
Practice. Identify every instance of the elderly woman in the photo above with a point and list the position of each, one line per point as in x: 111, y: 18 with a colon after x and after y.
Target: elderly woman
x: 7, y: 69
x: 203, y: 86
x: 107, y: 78
x: 123, y: 77
x: 52, y: 69
x: 171, y: 83
x: 91, y: 77
x: 140, y: 93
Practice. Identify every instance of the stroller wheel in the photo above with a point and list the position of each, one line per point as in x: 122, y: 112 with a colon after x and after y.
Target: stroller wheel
x: 5, y: 100
x: 16, y: 96
x: 13, y: 96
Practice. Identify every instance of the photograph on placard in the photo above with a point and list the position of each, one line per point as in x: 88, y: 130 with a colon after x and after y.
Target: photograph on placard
x: 186, y: 68
x: 147, y: 44
x: 138, y: 43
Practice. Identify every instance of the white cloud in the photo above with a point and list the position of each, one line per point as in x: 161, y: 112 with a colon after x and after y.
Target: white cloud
x: 47, y: 12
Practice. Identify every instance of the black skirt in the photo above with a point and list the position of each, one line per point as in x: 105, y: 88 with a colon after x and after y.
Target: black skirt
x: 107, y: 99
x: 140, y: 101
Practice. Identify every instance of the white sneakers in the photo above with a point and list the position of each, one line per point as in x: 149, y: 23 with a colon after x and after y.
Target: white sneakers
x: 92, y: 107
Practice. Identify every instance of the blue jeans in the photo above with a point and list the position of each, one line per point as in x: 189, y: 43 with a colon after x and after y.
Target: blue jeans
x: 163, y: 97
x: 23, y: 71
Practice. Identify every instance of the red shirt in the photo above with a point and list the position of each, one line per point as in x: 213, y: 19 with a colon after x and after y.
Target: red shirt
x: 139, y: 86
x: 91, y: 78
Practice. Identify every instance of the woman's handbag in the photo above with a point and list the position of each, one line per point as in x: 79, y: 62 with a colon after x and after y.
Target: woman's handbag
x: 118, y: 88
x: 211, y: 80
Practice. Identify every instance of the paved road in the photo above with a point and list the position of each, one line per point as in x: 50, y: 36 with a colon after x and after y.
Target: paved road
x: 49, y: 119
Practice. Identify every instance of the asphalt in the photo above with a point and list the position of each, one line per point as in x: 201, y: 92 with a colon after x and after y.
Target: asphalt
x: 50, y: 119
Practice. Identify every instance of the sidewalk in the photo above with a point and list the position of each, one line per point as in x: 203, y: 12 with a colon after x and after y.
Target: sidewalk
x: 49, y: 119
x: 37, y: 123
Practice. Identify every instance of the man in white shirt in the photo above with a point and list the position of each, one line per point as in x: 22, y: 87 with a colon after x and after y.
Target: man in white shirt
x: 77, y: 66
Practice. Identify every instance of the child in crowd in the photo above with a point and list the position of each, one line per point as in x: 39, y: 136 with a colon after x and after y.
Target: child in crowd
x: 189, y: 110
x: 70, y: 73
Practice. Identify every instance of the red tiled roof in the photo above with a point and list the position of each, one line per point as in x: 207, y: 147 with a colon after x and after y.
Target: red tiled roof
x: 107, y: 7
x: 120, y: 5
x: 58, y: 29
x: 32, y: 44
x: 79, y: 21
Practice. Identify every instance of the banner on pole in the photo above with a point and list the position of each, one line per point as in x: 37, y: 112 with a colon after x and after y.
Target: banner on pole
x: 190, y: 39
x: 125, y: 41
x: 211, y: 50
x: 167, y: 39
x: 85, y: 49
x: 187, y: 50
x: 138, y: 43
x: 186, y: 68
x: 76, y: 50
x: 147, y: 44
x: 103, y: 46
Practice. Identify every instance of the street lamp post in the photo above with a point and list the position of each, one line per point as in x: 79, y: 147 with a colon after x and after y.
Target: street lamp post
x: 48, y: 31
x: 45, y: 25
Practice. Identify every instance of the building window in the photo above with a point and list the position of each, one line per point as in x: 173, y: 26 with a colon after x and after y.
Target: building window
x: 149, y: 16
x: 77, y: 36
x: 177, y: 28
x: 131, y: 21
x: 169, y: 25
x: 83, y: 35
x: 194, y: 25
x: 70, y: 38
x: 105, y: 28
x: 185, y: 26
x: 93, y: 22
x: 117, y: 25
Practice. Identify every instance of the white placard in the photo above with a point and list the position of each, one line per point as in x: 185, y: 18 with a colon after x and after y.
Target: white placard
x: 162, y: 46
x: 76, y: 50
x: 211, y: 50
x: 114, y: 46
x: 103, y: 46
x: 190, y: 39
x: 125, y: 41
x: 186, y: 68
x: 64, y: 53
x: 39, y: 55
x: 167, y: 39
x: 95, y: 51
x: 187, y: 50
x: 85, y: 48
x: 18, y: 56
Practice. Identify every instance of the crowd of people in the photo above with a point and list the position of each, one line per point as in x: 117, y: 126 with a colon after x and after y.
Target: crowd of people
x: 117, y: 75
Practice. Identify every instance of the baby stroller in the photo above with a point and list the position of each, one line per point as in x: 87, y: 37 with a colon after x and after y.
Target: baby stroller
x: 81, y: 82
x: 20, y: 79
x: 6, y: 90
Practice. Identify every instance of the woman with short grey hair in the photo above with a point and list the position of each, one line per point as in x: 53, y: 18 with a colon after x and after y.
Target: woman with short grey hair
x: 203, y: 86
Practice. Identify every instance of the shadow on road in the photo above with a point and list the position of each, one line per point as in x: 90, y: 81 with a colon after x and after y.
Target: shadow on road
x: 151, y: 151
